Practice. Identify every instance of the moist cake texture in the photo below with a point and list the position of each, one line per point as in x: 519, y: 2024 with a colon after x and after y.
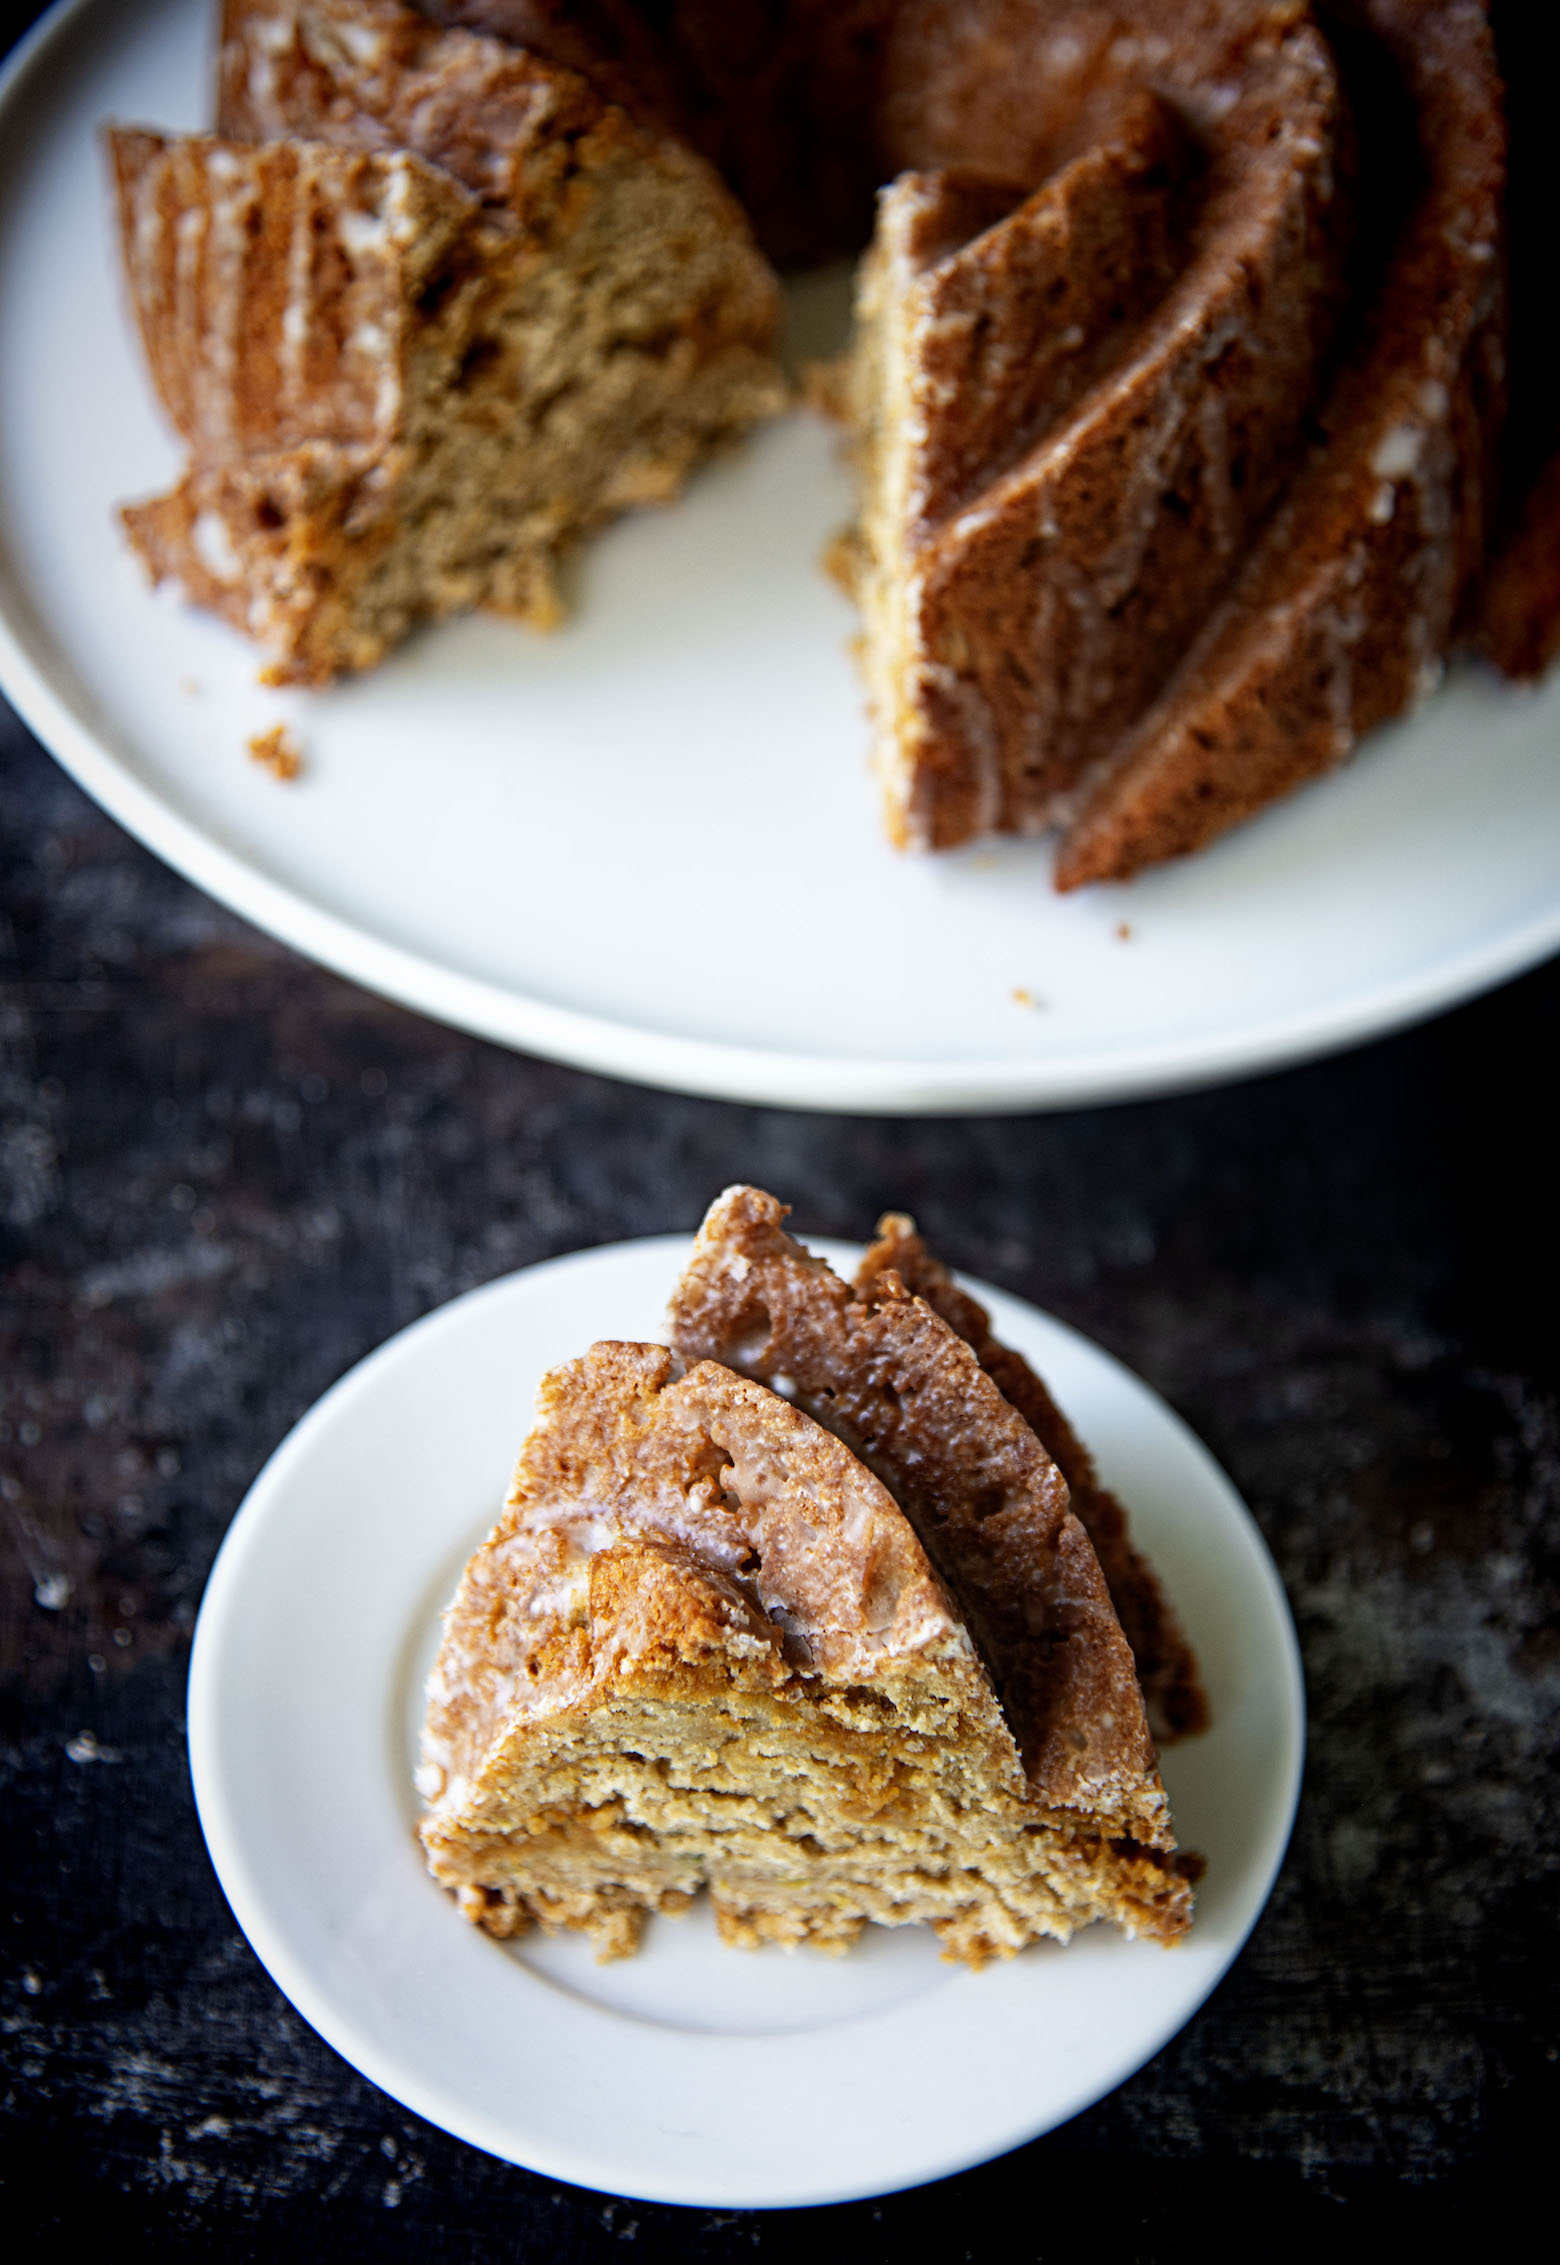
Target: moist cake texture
x: 707, y: 1646
x: 425, y: 312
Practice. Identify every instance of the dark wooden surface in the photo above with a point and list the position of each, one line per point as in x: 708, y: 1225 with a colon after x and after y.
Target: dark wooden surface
x: 225, y: 1175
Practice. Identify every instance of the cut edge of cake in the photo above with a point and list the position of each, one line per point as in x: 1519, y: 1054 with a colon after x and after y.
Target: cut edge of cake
x: 591, y: 322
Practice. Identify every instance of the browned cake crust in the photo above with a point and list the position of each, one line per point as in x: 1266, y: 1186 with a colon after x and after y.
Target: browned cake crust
x: 907, y: 1393
x: 306, y: 313
x: 269, y: 285
x: 1121, y: 635
x: 1028, y: 300
x: 1345, y: 608
x: 519, y: 132
x: 703, y: 1647
x: 1166, y: 1664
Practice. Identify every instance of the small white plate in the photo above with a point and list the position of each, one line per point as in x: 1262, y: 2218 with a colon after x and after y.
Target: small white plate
x: 691, y: 2073
x: 650, y: 844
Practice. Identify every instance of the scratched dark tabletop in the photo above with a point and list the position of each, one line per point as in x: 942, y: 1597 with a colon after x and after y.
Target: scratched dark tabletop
x: 226, y: 1175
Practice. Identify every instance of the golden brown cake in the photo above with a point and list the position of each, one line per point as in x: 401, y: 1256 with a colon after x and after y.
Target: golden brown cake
x: 1177, y: 399
x: 1166, y: 1664
x: 707, y: 1647
x: 783, y: 96
x: 1343, y: 612
x: 428, y: 312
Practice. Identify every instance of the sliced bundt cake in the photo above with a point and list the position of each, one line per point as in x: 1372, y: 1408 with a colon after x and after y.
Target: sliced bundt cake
x: 319, y: 325
x: 1178, y: 394
x: 1179, y: 380
x: 1343, y: 612
x: 704, y: 1648
x: 1178, y: 591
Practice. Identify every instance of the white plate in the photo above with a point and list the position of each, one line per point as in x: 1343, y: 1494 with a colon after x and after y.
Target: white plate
x: 650, y: 844
x: 691, y: 2073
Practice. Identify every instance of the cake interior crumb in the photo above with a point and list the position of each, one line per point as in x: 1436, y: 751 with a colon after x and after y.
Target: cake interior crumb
x: 277, y: 751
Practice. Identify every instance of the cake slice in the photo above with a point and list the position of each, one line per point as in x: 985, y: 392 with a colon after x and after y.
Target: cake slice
x: 704, y: 1648
x: 315, y: 322
x: 426, y: 312
x: 1166, y: 1664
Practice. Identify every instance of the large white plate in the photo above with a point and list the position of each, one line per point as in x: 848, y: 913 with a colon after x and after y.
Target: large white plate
x: 650, y: 844
x: 691, y: 2073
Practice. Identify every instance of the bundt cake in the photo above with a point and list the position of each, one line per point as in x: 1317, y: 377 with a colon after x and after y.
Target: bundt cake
x: 1177, y: 465
x: 782, y: 96
x: 708, y: 1646
x: 1181, y: 365
x: 426, y: 311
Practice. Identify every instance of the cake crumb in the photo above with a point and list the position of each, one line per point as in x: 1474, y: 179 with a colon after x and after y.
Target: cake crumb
x: 1022, y: 997
x: 1124, y: 931
x: 825, y: 388
x: 278, y: 751
x: 191, y: 687
x: 841, y: 562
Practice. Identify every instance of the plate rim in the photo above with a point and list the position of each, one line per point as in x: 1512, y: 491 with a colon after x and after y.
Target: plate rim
x: 375, y: 2058
x: 57, y: 709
